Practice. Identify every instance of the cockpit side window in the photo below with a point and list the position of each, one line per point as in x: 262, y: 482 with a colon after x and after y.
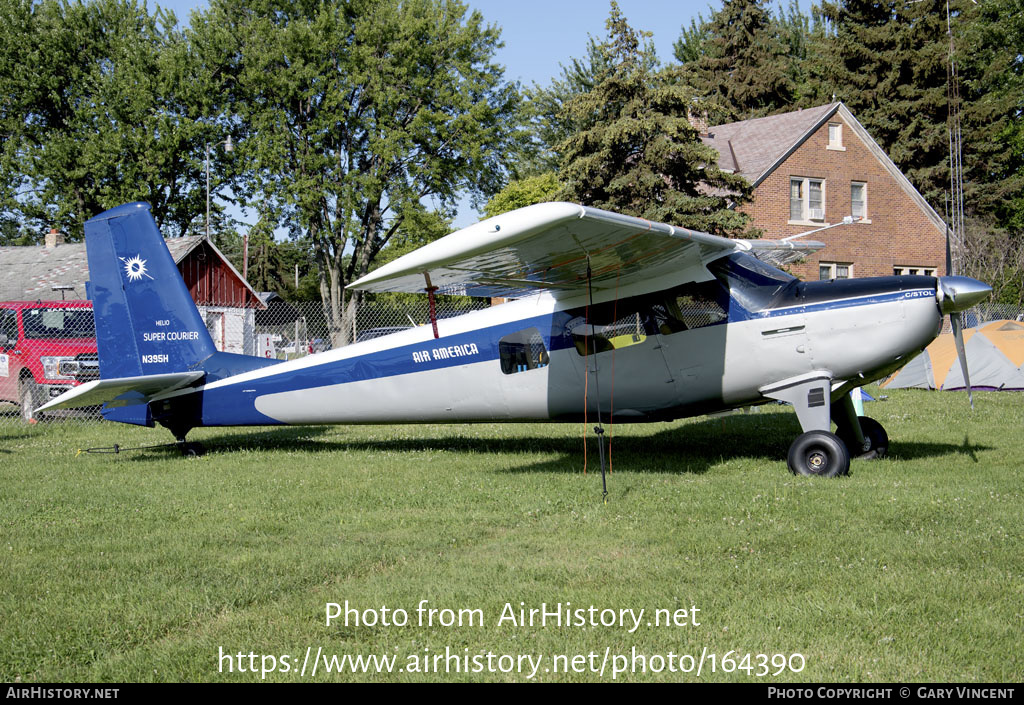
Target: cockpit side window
x: 617, y: 325
x: 690, y: 306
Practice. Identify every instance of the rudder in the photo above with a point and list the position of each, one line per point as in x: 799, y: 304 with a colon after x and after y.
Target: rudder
x: 146, y: 321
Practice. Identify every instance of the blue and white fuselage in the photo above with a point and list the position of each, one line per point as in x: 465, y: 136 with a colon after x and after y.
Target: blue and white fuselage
x: 411, y: 377
x: 619, y: 319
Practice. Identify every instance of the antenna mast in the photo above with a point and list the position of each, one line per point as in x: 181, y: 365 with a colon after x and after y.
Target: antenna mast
x: 956, y: 171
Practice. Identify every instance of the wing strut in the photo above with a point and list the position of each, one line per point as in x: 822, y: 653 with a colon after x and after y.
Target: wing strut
x: 599, y: 429
x: 430, y: 298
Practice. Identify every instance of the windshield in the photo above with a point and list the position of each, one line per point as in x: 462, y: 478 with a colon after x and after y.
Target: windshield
x: 752, y: 283
x: 49, y: 323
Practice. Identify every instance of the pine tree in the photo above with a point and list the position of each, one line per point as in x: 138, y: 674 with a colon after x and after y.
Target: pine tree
x: 888, y: 62
x: 744, y: 66
x: 639, y: 154
x: 552, y: 123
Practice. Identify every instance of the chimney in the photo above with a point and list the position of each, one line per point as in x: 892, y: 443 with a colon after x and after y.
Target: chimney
x: 700, y: 124
x: 53, y: 238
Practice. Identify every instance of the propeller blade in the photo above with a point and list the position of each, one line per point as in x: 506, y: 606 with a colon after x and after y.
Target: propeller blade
x: 958, y: 338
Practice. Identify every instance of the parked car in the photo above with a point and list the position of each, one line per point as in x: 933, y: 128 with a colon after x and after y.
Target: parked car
x: 46, y: 347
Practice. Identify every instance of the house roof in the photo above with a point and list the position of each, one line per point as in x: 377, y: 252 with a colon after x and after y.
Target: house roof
x: 752, y: 148
x: 31, y: 273
x: 756, y: 148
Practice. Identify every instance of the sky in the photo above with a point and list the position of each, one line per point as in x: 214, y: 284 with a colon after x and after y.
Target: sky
x: 542, y: 35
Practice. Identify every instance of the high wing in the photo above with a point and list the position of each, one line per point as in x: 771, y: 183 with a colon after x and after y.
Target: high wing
x: 550, y: 246
x: 121, y: 391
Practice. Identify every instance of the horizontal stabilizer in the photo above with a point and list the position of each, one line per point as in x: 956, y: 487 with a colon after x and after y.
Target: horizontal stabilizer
x: 122, y: 391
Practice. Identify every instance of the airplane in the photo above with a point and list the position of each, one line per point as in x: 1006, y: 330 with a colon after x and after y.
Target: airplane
x: 614, y: 319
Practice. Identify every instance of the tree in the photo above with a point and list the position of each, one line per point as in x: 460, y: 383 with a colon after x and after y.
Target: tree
x: 639, y: 154
x: 691, y: 44
x: 550, y: 121
x: 357, y: 113
x: 996, y: 258
x: 524, y: 192
x: 101, y: 105
x: 889, y: 61
x: 742, y: 64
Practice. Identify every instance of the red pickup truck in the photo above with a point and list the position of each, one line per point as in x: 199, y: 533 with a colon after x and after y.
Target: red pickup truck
x: 46, y: 347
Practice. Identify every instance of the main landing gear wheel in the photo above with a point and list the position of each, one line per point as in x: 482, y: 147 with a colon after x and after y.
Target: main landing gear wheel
x: 818, y: 454
x: 876, y: 440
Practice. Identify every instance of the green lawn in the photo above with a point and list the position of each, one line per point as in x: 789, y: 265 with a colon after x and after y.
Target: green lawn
x: 141, y: 566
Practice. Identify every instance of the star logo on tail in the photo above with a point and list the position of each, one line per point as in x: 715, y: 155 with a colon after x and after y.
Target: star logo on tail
x: 135, y: 268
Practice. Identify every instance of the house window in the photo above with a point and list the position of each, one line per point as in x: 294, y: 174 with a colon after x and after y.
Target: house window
x: 835, y: 270
x: 806, y: 199
x: 859, y: 199
x: 914, y: 271
x: 835, y: 136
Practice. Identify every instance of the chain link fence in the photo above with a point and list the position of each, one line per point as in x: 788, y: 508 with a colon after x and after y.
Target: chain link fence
x: 48, y: 347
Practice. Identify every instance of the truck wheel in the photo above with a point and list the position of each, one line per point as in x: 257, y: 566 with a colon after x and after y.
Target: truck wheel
x: 29, y: 395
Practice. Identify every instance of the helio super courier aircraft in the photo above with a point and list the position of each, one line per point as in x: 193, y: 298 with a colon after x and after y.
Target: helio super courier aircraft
x: 614, y: 318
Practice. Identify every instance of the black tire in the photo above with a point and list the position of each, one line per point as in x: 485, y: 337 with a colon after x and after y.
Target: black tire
x: 30, y: 399
x: 192, y: 450
x: 876, y: 440
x: 818, y: 454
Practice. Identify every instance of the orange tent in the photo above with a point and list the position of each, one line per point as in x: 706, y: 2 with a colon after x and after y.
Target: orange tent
x: 995, y: 353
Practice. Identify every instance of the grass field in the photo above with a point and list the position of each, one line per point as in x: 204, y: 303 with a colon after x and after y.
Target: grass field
x: 142, y: 566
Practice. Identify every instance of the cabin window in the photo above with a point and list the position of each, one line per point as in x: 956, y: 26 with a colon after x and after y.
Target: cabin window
x: 806, y: 200
x: 621, y: 324
x: 596, y: 338
x: 51, y: 323
x: 690, y: 306
x: 522, y: 351
x: 8, y: 328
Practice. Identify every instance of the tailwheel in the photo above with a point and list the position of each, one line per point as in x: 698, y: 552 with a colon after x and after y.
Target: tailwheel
x: 191, y: 449
x: 819, y: 454
x: 876, y: 440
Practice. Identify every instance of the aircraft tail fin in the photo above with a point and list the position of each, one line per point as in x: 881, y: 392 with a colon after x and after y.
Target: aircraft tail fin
x: 146, y: 321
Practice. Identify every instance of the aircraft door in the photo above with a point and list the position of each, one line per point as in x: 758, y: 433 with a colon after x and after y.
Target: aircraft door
x: 621, y: 354
x: 691, y: 321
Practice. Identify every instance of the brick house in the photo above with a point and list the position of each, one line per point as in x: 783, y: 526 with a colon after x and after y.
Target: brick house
x: 810, y: 169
